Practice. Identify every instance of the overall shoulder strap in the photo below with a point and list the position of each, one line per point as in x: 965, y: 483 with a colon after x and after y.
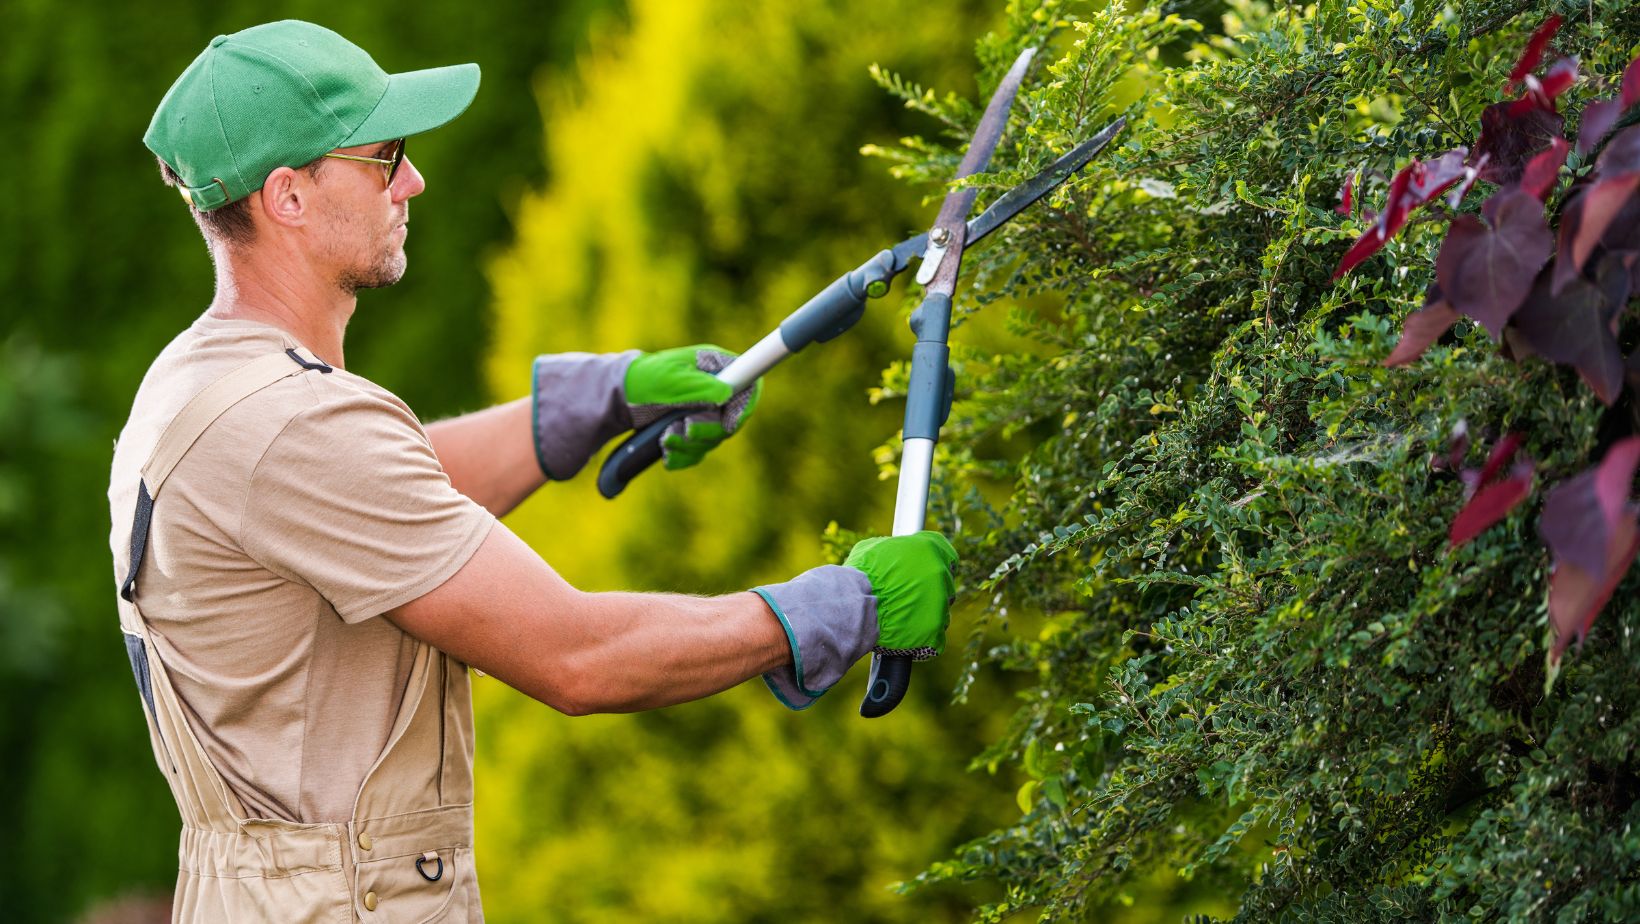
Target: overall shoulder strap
x: 190, y: 423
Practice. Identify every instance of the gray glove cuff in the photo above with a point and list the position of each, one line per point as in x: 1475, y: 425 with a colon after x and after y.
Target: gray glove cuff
x: 577, y: 402
x: 830, y: 617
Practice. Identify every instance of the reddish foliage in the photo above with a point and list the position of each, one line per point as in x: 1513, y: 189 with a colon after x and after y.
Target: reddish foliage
x: 1493, y: 268
x: 1574, y: 327
x: 1601, y: 204
x: 1346, y: 195
x: 1458, y: 446
x: 1589, y: 525
x: 1489, y: 505
x: 1555, y: 81
x: 1486, y: 272
x: 1490, y: 497
x: 1471, y: 173
x: 1541, y: 171
x: 1415, y: 185
x: 1532, y: 54
x: 1631, y: 84
x: 1541, y: 92
x: 1598, y: 118
x: 1421, y: 329
x: 1509, y: 139
x: 1622, y: 153
x: 1602, y: 213
x: 1498, y: 458
x: 1427, y: 180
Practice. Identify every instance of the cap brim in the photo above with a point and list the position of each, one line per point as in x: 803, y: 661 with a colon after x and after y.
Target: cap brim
x: 417, y: 101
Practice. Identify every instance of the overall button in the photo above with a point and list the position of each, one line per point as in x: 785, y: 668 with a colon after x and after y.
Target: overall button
x: 365, y: 843
x: 370, y: 901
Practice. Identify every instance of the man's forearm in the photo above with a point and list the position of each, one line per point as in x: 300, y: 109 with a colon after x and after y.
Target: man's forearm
x: 490, y: 455
x: 509, y: 614
x: 655, y: 650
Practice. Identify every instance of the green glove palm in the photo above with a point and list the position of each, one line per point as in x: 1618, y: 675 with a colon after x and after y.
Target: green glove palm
x: 911, y: 578
x: 659, y: 383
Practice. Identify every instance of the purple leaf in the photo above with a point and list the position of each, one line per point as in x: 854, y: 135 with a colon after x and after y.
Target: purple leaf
x: 1631, y: 84
x: 1500, y: 456
x: 1457, y: 445
x: 1489, y: 505
x: 1383, y: 228
x: 1491, y: 498
x: 1416, y: 184
x: 1563, y: 270
x: 1614, y: 480
x: 1598, y: 118
x: 1576, y: 596
x: 1622, y: 234
x: 1597, y: 206
x: 1471, y: 173
x: 1365, y: 246
x: 1541, y: 171
x: 1573, y: 525
x: 1420, y: 331
x: 1589, y: 525
x: 1510, y: 138
x: 1346, y: 195
x: 1622, y: 153
x: 1429, y: 179
x: 1486, y: 272
x: 1532, y: 54
x: 1575, y: 326
x: 1555, y: 81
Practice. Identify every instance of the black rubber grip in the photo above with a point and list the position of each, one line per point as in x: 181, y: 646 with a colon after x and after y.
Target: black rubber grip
x: 890, y: 678
x: 639, y: 451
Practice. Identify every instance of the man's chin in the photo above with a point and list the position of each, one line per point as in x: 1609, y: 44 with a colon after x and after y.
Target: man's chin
x: 378, y: 277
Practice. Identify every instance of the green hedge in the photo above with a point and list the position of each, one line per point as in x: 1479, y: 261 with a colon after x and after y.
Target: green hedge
x: 1256, y: 665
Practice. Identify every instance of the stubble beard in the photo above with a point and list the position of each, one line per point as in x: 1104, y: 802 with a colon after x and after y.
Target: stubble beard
x: 386, y: 269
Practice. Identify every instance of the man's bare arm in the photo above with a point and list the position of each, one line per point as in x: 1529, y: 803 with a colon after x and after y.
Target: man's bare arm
x: 509, y: 614
x: 490, y: 455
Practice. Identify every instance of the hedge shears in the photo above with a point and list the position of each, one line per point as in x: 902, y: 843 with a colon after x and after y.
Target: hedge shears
x: 841, y: 304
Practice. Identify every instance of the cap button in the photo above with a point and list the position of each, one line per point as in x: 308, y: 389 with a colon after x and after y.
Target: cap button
x: 218, y: 40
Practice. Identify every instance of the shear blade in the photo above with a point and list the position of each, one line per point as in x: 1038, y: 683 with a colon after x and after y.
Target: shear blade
x: 1021, y: 197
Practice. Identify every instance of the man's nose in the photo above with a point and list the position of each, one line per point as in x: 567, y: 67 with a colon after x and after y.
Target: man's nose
x: 408, y: 182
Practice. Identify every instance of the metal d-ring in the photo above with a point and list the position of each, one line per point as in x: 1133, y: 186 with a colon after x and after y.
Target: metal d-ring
x: 423, y: 859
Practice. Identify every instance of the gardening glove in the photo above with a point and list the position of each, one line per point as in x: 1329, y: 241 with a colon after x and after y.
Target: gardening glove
x: 891, y: 595
x: 659, y: 383
x: 582, y: 400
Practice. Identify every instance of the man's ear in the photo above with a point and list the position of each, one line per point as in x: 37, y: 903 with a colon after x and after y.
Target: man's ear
x: 284, y: 198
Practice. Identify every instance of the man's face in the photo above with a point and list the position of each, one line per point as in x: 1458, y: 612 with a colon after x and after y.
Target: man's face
x: 362, y: 221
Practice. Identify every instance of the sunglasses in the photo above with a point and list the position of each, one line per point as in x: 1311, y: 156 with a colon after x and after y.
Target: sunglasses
x: 390, y: 166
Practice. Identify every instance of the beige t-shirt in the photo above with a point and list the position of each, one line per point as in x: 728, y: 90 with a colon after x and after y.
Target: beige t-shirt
x: 304, y: 511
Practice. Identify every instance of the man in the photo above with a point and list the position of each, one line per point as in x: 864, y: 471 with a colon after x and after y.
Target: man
x: 305, y: 572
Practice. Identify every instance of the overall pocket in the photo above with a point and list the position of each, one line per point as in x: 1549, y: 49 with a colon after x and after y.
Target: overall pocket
x: 435, y: 885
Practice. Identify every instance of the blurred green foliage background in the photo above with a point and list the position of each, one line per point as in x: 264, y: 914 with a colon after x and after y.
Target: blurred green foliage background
x: 630, y: 175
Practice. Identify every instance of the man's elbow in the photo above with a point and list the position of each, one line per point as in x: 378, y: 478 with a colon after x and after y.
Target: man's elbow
x: 575, y: 688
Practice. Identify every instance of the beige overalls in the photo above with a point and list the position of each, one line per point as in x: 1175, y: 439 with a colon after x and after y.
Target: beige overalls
x: 406, y: 854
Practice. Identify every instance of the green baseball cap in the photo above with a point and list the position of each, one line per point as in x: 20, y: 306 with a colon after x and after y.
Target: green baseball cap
x: 281, y: 95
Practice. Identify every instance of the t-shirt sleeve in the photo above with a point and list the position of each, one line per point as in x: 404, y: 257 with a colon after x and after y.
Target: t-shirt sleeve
x: 350, y: 500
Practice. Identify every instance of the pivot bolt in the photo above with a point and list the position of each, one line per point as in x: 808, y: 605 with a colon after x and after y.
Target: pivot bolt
x: 939, y: 237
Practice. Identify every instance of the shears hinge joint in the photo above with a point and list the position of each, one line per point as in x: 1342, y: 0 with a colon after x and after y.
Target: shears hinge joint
x: 938, y: 240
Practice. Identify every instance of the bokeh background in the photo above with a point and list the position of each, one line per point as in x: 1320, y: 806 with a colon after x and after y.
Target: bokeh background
x: 632, y: 174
